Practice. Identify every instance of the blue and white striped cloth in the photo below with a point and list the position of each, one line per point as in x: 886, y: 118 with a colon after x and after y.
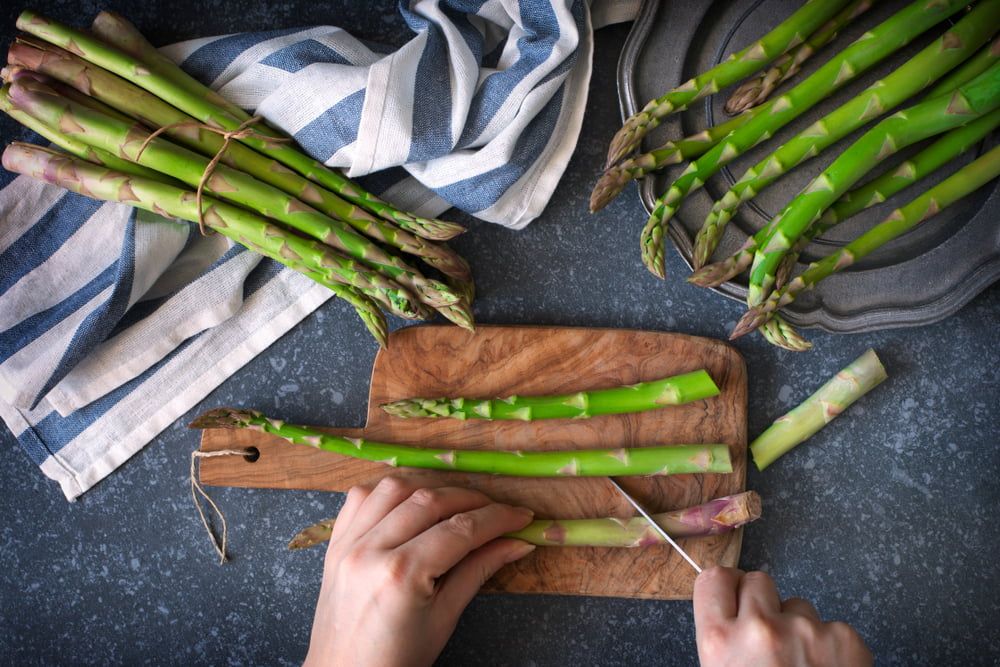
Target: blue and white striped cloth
x: 113, y: 322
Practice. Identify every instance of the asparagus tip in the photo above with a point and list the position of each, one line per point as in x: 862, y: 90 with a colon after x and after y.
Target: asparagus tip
x: 223, y: 418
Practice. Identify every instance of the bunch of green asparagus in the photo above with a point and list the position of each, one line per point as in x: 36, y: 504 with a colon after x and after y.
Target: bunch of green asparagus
x: 129, y: 125
x: 958, y: 75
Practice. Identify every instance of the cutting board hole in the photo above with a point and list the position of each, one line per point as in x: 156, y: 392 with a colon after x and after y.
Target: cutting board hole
x: 253, y: 455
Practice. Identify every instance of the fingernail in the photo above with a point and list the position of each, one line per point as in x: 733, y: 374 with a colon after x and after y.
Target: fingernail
x: 519, y: 552
x: 525, y: 511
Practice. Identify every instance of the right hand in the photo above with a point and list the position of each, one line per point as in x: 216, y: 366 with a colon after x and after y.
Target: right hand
x: 740, y: 620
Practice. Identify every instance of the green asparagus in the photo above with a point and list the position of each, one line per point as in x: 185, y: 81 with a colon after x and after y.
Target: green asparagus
x: 615, y: 178
x: 640, y: 397
x: 964, y: 181
x: 712, y: 518
x: 904, y: 128
x: 861, y: 376
x: 874, y: 46
x: 874, y: 192
x: 313, y: 259
x: 738, y: 66
x: 161, y: 78
x: 153, y: 112
x: 660, y: 460
x: 938, y: 58
x: 779, y: 332
x: 970, y: 69
x: 757, y: 89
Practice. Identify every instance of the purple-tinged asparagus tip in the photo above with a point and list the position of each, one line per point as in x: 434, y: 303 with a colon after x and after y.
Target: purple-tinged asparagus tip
x: 750, y: 321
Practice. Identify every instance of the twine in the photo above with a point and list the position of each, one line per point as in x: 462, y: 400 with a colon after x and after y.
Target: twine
x: 196, y: 488
x: 242, y: 132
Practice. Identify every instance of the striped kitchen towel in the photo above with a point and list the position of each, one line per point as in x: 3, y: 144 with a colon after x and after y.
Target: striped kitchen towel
x: 113, y: 322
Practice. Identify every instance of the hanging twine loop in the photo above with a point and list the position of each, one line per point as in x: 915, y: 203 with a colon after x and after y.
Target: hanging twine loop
x: 242, y: 132
x: 197, y: 488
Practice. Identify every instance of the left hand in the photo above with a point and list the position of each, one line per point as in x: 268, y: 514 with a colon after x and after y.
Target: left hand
x: 402, y: 565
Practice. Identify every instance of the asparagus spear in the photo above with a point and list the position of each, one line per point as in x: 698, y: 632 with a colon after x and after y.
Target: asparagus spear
x: 666, y: 460
x: 872, y: 47
x: 861, y: 376
x: 964, y: 181
x: 616, y: 177
x: 161, y: 78
x: 970, y: 69
x: 777, y: 331
x: 904, y: 128
x: 675, y: 390
x: 953, y: 47
x: 153, y: 112
x: 757, y: 89
x: 712, y: 518
x: 876, y: 191
x: 738, y: 66
x: 308, y: 257
x: 111, y: 135
x: 72, y: 146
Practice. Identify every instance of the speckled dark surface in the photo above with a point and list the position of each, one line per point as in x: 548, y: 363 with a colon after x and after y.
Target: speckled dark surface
x: 887, y: 519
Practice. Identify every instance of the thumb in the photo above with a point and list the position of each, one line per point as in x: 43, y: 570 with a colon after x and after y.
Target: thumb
x: 464, y: 580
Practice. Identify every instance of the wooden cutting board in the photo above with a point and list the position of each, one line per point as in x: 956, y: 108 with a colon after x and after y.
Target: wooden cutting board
x: 504, y: 360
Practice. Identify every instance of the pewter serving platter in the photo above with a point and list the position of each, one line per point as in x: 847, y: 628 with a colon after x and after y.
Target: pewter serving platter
x: 921, y: 277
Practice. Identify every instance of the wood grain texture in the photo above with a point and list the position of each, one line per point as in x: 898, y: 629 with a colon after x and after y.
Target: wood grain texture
x: 500, y: 361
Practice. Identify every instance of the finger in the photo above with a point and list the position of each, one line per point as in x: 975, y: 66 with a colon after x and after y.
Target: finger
x: 758, y: 595
x: 800, y: 607
x: 464, y: 580
x: 356, y: 496
x: 422, y: 510
x: 387, y: 494
x: 443, y: 546
x: 714, y: 598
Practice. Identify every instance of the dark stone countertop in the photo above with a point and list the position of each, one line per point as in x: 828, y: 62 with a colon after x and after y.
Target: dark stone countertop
x: 884, y: 520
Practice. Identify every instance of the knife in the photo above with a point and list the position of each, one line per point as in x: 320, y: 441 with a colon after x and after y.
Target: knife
x: 657, y: 527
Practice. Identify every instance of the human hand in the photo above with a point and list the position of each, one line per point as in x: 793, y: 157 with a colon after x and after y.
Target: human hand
x: 402, y: 564
x: 740, y: 620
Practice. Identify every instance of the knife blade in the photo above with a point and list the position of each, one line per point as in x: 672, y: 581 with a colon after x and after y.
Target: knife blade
x: 657, y: 527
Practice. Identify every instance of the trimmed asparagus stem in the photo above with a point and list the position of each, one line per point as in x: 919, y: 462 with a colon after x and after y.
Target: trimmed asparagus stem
x: 938, y: 58
x: 960, y: 184
x: 310, y: 258
x: 973, y: 67
x: 904, y: 128
x: 712, y: 518
x: 640, y: 397
x: 777, y: 331
x: 106, y: 133
x: 876, y: 191
x: 757, y: 89
x: 667, y: 460
x: 861, y: 376
x: 140, y: 105
x: 161, y: 78
x: 72, y: 146
x: 873, y: 47
x: 615, y: 178
x: 738, y: 66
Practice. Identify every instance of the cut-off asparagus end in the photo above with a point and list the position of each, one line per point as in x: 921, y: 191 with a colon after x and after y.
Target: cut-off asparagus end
x: 712, y: 518
x: 861, y: 376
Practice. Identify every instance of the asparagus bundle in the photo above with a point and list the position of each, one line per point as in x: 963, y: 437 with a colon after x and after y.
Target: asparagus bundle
x: 313, y: 259
x: 963, y: 182
x: 757, y: 89
x: 165, y: 79
x: 659, y: 460
x: 121, y: 95
x: 861, y: 376
x: 876, y: 191
x: 712, y: 518
x: 953, y: 47
x: 871, y: 48
x: 675, y: 390
x: 738, y: 66
x: 974, y: 99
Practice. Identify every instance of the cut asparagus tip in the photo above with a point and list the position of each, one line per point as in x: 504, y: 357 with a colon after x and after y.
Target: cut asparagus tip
x: 229, y: 418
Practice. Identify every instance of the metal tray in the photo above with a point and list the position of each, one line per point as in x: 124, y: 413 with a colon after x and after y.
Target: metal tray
x: 921, y: 277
